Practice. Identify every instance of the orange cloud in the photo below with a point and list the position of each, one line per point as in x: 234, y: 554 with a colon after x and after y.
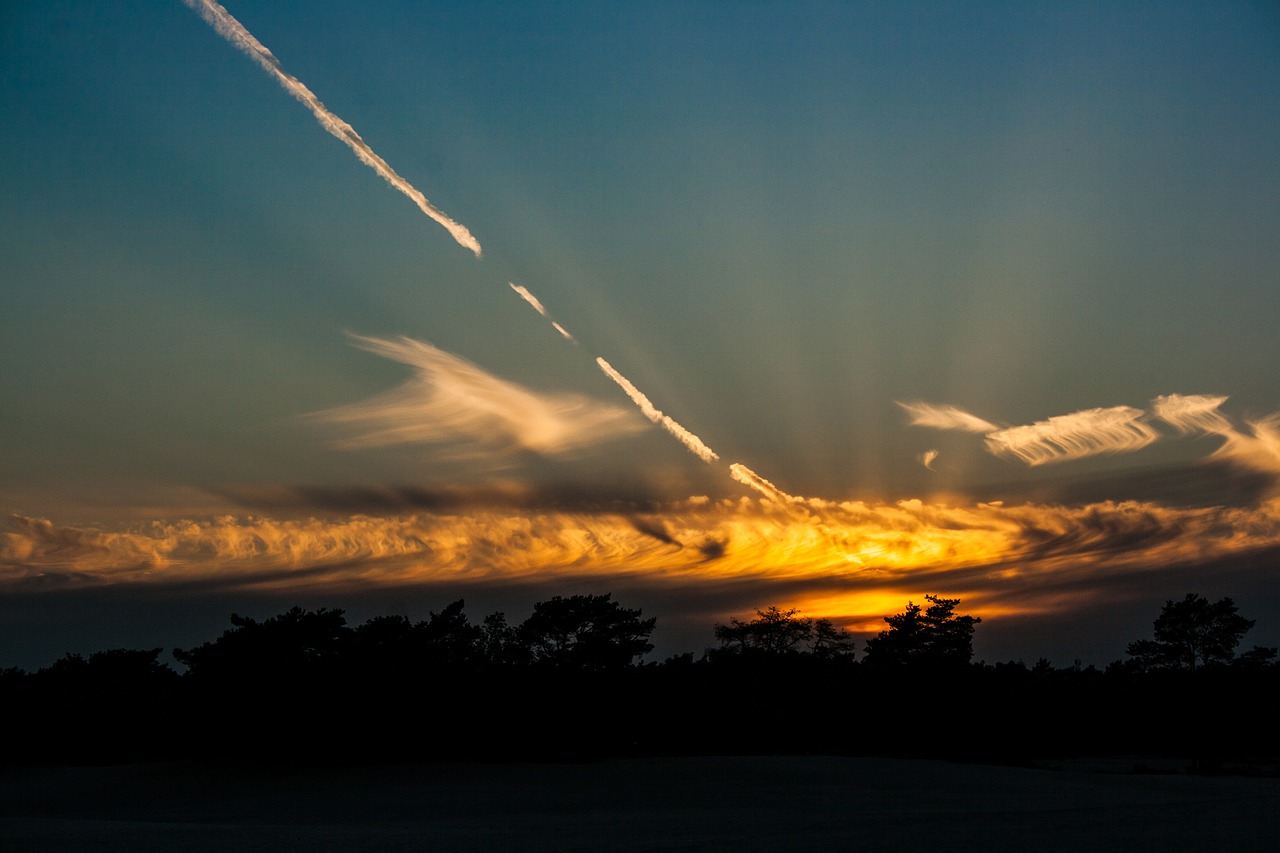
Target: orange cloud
x: 450, y: 401
x: 841, y: 559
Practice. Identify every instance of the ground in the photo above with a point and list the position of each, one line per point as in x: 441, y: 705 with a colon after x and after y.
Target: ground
x: 735, y: 803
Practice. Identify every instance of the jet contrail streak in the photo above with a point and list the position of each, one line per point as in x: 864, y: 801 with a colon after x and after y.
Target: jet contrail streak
x: 233, y: 31
x: 528, y: 297
x: 541, y: 309
x: 747, y: 477
x: 650, y: 411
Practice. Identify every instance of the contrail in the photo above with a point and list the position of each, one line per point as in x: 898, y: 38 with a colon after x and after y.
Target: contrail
x: 737, y: 470
x: 688, y: 439
x: 647, y: 408
x: 233, y: 31
x: 538, y: 306
x: 529, y: 297
x: 747, y: 477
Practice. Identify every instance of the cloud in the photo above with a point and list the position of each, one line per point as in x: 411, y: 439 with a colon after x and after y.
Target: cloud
x: 1090, y: 432
x: 650, y: 411
x: 1257, y: 449
x: 946, y: 417
x: 846, y: 559
x: 928, y: 458
x: 1192, y: 413
x: 1119, y: 429
x: 450, y: 401
x: 233, y: 31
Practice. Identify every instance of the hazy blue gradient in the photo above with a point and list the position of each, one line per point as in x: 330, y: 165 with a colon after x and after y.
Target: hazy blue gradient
x: 775, y: 218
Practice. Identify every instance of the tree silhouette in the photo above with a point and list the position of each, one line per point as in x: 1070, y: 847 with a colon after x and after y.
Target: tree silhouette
x: 500, y: 644
x: 295, y: 644
x: 450, y: 639
x: 774, y: 632
x: 831, y: 642
x: 585, y: 632
x: 781, y: 633
x: 933, y: 636
x: 1194, y: 633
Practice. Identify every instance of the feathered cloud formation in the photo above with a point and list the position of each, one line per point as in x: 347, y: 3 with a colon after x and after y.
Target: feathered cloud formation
x: 233, y: 31
x: 1118, y: 429
x: 450, y: 401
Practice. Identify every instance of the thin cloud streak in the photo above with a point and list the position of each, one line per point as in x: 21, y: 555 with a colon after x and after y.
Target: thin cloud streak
x: 528, y: 297
x: 695, y: 445
x: 747, y: 477
x: 541, y: 309
x: 451, y: 401
x: 650, y: 411
x: 233, y: 31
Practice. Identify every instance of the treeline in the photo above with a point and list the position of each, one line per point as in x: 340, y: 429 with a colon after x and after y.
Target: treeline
x: 569, y: 683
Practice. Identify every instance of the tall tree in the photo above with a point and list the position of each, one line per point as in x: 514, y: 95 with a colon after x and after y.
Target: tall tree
x: 586, y: 632
x: 932, y: 636
x: 1192, y: 633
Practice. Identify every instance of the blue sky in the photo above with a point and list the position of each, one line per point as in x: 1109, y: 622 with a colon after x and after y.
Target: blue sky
x: 778, y: 220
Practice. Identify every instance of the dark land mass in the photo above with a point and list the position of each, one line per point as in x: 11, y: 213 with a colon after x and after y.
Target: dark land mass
x: 689, y: 803
x: 301, y: 732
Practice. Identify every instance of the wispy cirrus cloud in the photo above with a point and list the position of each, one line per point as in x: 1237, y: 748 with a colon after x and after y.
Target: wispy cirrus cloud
x: 1117, y: 429
x: 945, y: 417
x: 451, y: 402
x: 1090, y: 432
x: 1256, y: 447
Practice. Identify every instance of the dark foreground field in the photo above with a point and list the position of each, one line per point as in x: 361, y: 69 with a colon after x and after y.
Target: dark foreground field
x: 738, y: 803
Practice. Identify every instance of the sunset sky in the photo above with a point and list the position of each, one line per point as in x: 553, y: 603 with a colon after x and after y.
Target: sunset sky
x: 983, y: 297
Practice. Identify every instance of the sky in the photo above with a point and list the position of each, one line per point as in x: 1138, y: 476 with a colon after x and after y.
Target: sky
x: 713, y: 306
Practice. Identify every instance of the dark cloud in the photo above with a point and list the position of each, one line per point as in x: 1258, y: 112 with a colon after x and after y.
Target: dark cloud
x: 1205, y: 483
x: 618, y: 496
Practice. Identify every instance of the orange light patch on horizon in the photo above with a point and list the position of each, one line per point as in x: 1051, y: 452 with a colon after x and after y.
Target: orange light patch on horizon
x: 864, y: 612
